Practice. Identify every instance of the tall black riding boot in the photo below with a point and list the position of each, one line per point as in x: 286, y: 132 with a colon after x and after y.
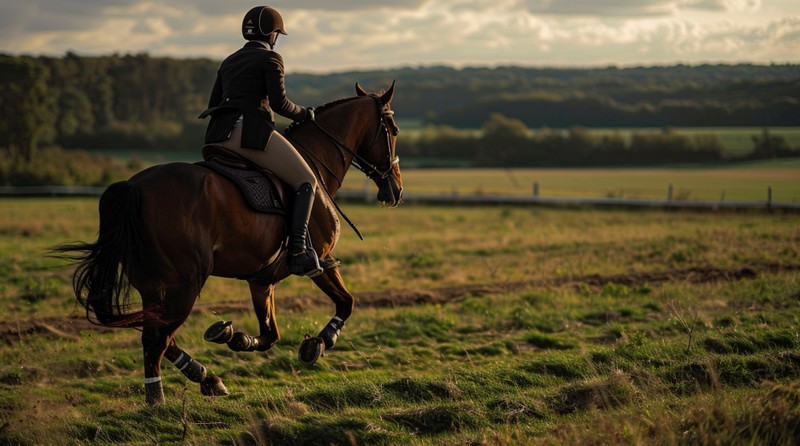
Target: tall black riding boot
x: 303, y: 259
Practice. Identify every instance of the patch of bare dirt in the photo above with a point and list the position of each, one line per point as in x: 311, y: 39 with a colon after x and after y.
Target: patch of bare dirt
x: 56, y: 327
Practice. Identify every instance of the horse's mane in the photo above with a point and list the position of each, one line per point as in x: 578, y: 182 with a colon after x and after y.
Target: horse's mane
x: 321, y: 109
x: 335, y: 103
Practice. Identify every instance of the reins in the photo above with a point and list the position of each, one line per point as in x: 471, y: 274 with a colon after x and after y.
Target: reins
x: 361, y: 163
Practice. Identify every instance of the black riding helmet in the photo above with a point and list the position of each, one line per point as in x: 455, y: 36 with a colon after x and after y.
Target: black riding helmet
x: 261, y: 22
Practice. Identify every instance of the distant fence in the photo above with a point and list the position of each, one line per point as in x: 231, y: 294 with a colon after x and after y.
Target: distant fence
x: 368, y: 196
x: 51, y: 191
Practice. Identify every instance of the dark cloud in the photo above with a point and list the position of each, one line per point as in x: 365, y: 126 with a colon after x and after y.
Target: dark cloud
x: 615, y: 8
x: 347, y: 5
x: 708, y: 5
x: 217, y: 7
x: 54, y: 15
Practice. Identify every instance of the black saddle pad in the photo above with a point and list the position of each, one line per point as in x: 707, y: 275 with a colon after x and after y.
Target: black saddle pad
x: 259, y: 192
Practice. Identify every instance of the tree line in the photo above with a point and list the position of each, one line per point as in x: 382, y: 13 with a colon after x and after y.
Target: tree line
x: 508, y: 142
x: 139, y: 101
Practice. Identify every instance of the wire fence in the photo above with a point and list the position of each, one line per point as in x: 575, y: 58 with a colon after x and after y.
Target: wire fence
x: 367, y: 195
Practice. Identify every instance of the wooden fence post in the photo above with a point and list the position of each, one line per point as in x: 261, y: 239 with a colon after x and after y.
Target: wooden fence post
x: 769, y: 197
x: 536, y: 189
x: 669, y: 192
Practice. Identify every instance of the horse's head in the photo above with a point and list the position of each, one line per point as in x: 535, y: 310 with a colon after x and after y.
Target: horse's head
x: 377, y: 157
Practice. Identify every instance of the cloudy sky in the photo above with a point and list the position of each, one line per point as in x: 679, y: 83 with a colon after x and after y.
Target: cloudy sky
x: 336, y: 35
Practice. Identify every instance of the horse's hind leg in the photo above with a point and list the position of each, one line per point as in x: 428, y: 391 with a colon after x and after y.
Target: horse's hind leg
x: 192, y: 369
x: 154, y: 344
x: 175, y: 308
x: 332, y: 284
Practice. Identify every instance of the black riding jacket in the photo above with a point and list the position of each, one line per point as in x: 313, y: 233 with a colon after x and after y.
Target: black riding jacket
x: 244, y: 80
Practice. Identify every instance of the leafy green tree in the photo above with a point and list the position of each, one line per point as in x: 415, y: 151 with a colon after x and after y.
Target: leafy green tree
x: 766, y: 146
x: 75, y: 113
x: 580, y: 143
x: 504, y: 141
x: 26, y: 105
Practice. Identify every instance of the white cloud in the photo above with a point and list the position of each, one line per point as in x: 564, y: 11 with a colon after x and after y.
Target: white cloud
x: 325, y: 36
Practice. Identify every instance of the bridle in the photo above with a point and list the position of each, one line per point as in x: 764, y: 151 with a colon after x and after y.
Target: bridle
x: 372, y: 171
x: 369, y: 169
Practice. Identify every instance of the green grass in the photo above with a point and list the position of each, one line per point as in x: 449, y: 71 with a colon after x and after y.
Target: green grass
x: 740, y: 181
x: 747, y: 181
x: 527, y: 348
x: 737, y: 182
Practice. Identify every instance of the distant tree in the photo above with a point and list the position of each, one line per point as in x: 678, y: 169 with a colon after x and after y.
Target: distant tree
x: 504, y: 141
x: 708, y: 147
x: 499, y: 126
x: 666, y: 146
x: 766, y: 146
x: 549, y: 147
x: 580, y: 144
x: 75, y: 113
x: 26, y: 105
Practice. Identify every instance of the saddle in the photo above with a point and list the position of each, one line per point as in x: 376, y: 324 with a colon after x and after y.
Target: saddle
x: 262, y: 190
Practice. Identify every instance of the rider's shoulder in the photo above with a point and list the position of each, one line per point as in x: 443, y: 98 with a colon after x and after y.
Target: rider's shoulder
x: 274, y: 55
x: 273, y: 58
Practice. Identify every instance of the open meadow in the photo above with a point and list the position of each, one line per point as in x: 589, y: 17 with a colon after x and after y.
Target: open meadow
x: 473, y: 325
x: 737, y: 182
x: 743, y: 181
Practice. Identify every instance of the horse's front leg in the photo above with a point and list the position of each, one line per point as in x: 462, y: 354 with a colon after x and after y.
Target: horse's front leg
x: 332, y: 284
x: 263, y: 297
x: 264, y: 306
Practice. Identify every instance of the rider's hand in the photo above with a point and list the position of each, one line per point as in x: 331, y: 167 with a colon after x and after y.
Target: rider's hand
x: 309, y: 114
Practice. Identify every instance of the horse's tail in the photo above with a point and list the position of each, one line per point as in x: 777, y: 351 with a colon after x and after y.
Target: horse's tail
x: 104, y: 268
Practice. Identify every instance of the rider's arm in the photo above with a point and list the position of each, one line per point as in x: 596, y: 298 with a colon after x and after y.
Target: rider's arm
x: 276, y: 90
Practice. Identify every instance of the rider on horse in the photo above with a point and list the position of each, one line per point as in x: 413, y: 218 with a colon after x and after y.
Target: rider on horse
x: 248, y: 89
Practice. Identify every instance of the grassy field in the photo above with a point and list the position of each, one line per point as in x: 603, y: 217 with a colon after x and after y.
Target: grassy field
x: 494, y: 326
x: 743, y: 182
x: 748, y: 181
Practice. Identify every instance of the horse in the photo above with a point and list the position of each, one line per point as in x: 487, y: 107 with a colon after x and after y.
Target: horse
x: 168, y: 228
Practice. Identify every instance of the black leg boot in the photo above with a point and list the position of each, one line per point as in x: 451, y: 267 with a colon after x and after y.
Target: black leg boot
x: 303, y: 260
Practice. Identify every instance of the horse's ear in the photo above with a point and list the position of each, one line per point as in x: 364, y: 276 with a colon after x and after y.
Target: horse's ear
x: 387, y: 97
x: 360, y: 91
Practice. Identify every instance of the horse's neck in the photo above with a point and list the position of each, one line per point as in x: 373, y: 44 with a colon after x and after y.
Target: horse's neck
x: 345, y: 123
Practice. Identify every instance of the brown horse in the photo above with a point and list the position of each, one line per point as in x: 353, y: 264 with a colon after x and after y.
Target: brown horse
x: 170, y: 227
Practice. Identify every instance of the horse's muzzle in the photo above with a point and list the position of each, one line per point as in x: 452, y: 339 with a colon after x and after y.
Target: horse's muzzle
x: 390, y: 193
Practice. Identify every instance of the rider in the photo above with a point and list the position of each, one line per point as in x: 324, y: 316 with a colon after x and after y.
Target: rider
x: 248, y: 88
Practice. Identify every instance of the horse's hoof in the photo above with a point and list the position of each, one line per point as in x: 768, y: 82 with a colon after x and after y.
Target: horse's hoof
x: 242, y: 342
x: 220, y: 332
x: 154, y: 394
x: 212, y: 386
x: 310, y: 350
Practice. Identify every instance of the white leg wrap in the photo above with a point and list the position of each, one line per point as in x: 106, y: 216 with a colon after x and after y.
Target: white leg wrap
x: 153, y: 380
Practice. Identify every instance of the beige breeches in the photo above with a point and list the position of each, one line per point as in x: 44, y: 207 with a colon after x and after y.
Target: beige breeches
x: 279, y: 157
